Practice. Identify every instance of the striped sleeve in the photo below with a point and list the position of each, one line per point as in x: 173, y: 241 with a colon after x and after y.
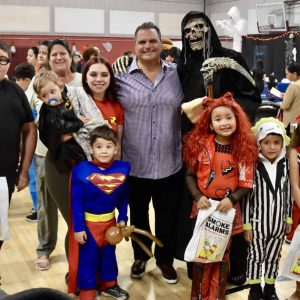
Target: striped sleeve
x: 247, y: 211
x: 289, y: 200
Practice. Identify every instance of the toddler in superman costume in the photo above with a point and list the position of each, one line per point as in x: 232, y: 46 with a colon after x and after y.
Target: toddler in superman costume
x: 97, y: 188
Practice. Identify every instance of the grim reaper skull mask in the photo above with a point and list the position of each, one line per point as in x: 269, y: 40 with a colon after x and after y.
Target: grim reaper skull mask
x: 195, y: 31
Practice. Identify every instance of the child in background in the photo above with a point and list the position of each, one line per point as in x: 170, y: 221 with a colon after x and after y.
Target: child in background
x: 77, y: 60
x: 220, y: 166
x: 267, y: 211
x: 57, y: 118
x: 294, y: 156
x: 98, y: 187
x: 23, y: 74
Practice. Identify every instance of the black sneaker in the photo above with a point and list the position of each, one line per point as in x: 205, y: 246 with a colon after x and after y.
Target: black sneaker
x: 270, y: 292
x: 32, y: 218
x: 115, y: 292
x: 168, y: 272
x: 138, y: 268
x: 256, y: 292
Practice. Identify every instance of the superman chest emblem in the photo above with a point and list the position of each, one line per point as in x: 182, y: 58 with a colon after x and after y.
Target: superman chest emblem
x: 107, y: 183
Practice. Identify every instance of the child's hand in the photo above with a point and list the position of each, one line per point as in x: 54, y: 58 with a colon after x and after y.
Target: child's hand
x: 121, y: 224
x: 288, y: 228
x: 203, y: 202
x: 80, y: 237
x: 248, y: 235
x: 224, y: 205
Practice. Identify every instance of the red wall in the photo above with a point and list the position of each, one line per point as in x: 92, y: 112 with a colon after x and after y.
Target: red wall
x: 23, y: 42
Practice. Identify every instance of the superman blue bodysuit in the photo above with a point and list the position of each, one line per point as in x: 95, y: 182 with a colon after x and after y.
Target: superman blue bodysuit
x: 95, y: 193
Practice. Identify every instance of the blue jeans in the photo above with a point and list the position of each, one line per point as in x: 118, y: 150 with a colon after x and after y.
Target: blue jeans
x: 32, y: 185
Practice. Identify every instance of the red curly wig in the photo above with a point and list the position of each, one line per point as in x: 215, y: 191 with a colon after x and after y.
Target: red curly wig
x: 244, y: 142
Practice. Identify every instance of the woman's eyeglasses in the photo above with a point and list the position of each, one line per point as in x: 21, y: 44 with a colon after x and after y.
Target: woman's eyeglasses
x: 4, y: 60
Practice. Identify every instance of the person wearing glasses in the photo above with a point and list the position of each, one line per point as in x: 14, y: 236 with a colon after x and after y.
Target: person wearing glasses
x: 16, y: 123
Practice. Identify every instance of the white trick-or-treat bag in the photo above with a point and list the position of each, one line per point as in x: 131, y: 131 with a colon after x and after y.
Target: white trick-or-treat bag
x: 4, y: 229
x: 211, y: 235
x: 291, y: 267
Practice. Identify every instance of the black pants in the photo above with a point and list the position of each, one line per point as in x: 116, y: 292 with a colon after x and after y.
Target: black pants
x: 238, y: 260
x: 165, y: 194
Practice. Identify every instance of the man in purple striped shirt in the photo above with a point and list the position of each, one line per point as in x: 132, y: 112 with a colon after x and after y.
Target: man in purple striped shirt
x: 151, y: 95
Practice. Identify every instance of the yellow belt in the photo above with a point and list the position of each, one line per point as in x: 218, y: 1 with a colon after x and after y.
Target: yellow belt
x: 99, y: 218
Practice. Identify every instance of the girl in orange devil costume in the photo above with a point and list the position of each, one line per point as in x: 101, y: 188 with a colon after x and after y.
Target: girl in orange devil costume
x: 219, y: 153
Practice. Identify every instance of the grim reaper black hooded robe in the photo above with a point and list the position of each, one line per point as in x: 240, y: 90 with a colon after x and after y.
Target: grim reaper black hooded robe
x: 193, y: 86
x: 224, y: 80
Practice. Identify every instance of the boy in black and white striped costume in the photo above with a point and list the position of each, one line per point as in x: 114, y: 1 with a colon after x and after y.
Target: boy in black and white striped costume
x: 268, y: 210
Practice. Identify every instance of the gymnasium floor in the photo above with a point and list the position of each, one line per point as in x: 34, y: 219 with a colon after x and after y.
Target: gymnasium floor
x: 18, y: 272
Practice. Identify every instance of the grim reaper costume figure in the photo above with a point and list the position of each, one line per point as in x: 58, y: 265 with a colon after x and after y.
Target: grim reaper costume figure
x: 202, y: 49
x: 203, y: 63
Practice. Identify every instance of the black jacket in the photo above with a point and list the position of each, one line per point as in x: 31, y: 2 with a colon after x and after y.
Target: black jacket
x: 54, y: 121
